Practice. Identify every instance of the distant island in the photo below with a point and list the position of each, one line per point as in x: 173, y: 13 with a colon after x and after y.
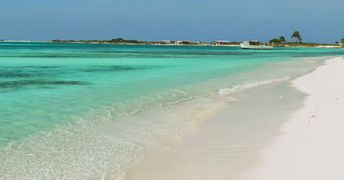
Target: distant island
x: 162, y: 42
x: 278, y: 42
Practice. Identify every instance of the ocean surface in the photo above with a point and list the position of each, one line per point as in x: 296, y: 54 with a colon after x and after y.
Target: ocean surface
x: 89, y: 110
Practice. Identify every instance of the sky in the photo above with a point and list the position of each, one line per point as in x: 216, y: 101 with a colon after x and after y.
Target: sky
x: 203, y: 20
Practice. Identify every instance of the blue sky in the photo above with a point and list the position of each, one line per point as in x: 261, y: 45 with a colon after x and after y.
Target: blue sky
x: 205, y: 20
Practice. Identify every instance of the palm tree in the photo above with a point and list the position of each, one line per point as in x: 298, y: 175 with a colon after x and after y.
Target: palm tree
x: 342, y: 41
x: 296, y: 35
x: 282, y: 39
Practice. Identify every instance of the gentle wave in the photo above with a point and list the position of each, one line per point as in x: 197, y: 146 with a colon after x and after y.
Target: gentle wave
x: 239, y: 88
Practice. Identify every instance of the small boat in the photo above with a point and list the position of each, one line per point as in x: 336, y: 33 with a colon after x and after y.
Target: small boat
x: 254, y: 44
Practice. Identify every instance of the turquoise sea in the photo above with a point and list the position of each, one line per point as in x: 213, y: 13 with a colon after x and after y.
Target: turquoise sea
x: 89, y: 110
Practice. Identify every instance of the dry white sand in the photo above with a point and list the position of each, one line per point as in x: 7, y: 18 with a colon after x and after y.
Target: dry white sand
x: 311, y: 146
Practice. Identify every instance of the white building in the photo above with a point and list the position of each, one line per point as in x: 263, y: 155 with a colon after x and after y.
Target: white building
x: 221, y: 42
x: 165, y: 41
x: 183, y: 42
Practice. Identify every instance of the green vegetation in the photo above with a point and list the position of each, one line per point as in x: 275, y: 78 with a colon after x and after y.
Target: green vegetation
x: 112, y: 41
x: 121, y: 40
x: 278, y: 41
x: 275, y: 41
x: 296, y: 35
x: 281, y: 41
x: 132, y: 42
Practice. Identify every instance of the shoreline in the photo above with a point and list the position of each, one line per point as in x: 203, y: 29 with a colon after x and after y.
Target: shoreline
x: 310, y: 145
x: 228, y: 144
x: 200, y: 125
x: 219, y: 151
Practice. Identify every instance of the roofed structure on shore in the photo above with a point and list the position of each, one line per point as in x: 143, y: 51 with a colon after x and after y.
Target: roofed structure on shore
x: 221, y: 42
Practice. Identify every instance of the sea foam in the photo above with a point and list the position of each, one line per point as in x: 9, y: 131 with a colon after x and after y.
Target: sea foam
x: 244, y: 86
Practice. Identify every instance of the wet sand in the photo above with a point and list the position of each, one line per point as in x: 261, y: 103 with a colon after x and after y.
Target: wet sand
x: 227, y: 145
x: 287, y: 130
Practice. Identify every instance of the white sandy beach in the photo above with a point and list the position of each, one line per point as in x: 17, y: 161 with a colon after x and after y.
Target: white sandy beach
x: 311, y: 145
x: 249, y: 143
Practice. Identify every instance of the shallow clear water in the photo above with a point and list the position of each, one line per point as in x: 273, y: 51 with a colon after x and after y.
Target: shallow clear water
x: 80, y: 89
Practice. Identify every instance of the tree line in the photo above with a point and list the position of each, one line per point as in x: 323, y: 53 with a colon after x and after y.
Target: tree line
x: 282, y: 40
x: 296, y: 35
